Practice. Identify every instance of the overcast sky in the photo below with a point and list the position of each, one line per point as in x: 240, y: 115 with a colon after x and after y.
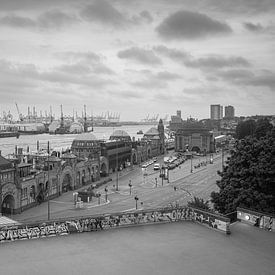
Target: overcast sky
x: 138, y: 57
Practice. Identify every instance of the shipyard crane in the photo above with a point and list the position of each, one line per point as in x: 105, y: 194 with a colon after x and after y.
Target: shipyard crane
x: 19, y: 114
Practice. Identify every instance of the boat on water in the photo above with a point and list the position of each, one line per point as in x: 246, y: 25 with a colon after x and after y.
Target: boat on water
x: 140, y: 132
x: 9, y: 134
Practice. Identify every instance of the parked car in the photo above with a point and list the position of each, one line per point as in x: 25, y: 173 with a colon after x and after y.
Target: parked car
x: 156, y: 166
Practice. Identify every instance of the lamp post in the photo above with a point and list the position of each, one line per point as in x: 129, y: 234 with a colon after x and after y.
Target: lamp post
x: 162, y: 174
x: 106, y: 194
x: 130, y: 185
x: 98, y: 195
x: 136, y: 199
x: 116, y: 165
x: 48, y: 149
x: 222, y: 147
x: 191, y: 170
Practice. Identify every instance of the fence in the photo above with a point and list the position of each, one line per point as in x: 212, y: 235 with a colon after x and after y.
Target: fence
x: 116, y: 220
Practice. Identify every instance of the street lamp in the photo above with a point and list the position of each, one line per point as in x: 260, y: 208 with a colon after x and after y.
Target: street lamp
x: 191, y: 171
x: 98, y: 195
x: 48, y: 149
x: 106, y: 193
x: 116, y: 165
x: 162, y: 173
x: 130, y: 185
x: 136, y: 199
x: 222, y: 147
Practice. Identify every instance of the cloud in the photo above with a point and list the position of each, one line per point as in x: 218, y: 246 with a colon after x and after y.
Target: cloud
x: 85, y: 62
x: 253, y: 27
x: 249, y: 78
x: 148, y: 79
x: 209, y: 62
x: 191, y: 25
x: 12, y: 5
x: 218, y: 62
x: 70, y: 56
x: 167, y: 76
x: 176, y: 55
x: 17, y: 21
x: 147, y: 16
x: 103, y: 12
x: 14, y: 76
x: 140, y: 55
x: 54, y: 19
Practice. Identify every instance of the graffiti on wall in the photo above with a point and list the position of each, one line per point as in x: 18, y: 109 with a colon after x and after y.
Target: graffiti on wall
x: 267, y: 222
x: 18, y: 233
x: 105, y: 222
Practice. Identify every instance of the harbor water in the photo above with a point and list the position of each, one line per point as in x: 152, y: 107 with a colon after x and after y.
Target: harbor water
x: 59, y: 142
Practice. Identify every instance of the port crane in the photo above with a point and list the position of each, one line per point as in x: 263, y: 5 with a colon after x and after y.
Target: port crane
x: 19, y: 114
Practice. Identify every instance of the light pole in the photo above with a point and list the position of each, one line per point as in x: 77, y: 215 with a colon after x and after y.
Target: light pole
x: 130, y: 185
x: 48, y: 149
x: 162, y: 173
x: 136, y: 199
x: 106, y: 194
x: 222, y: 147
x: 116, y: 165
x: 191, y: 171
x: 98, y: 195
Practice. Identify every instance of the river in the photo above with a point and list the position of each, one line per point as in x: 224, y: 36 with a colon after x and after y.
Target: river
x: 57, y: 142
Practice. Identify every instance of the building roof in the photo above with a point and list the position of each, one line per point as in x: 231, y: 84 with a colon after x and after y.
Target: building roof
x: 152, y: 132
x: 22, y: 165
x: 4, y: 163
x: 68, y: 156
x: 86, y: 137
x: 119, y: 133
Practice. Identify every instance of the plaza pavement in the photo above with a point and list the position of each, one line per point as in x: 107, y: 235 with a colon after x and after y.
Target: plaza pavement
x: 201, y: 183
x: 171, y: 248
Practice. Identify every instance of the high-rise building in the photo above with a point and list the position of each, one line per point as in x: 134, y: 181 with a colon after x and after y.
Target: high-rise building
x: 216, y: 111
x: 179, y: 113
x: 229, y: 112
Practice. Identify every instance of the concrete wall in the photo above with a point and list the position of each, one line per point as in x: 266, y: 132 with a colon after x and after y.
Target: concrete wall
x: 261, y: 220
x: 107, y: 221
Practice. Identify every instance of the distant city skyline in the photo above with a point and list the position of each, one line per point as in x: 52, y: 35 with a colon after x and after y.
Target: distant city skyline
x: 137, y: 57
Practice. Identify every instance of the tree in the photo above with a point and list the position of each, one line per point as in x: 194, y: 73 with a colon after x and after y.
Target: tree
x: 245, y: 128
x: 199, y: 203
x: 263, y: 127
x: 248, y: 180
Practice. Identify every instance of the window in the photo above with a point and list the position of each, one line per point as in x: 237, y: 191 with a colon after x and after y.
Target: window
x: 25, y: 193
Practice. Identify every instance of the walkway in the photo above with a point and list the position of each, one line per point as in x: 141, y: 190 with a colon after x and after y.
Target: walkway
x: 174, y: 248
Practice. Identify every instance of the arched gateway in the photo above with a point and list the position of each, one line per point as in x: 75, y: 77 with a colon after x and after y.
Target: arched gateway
x: 8, y: 204
x: 67, y: 183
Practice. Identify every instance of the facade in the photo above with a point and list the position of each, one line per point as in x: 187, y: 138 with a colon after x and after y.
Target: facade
x: 30, y: 179
x: 229, y: 112
x: 9, y: 195
x: 194, y: 137
x: 216, y: 112
x: 118, y: 153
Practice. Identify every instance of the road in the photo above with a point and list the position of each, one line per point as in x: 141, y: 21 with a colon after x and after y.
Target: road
x: 201, y: 182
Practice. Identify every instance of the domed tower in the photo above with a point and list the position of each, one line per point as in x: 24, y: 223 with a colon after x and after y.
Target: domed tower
x: 161, y: 136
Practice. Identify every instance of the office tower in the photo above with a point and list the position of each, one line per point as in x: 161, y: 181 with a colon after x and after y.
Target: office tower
x: 216, y: 111
x: 229, y: 112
